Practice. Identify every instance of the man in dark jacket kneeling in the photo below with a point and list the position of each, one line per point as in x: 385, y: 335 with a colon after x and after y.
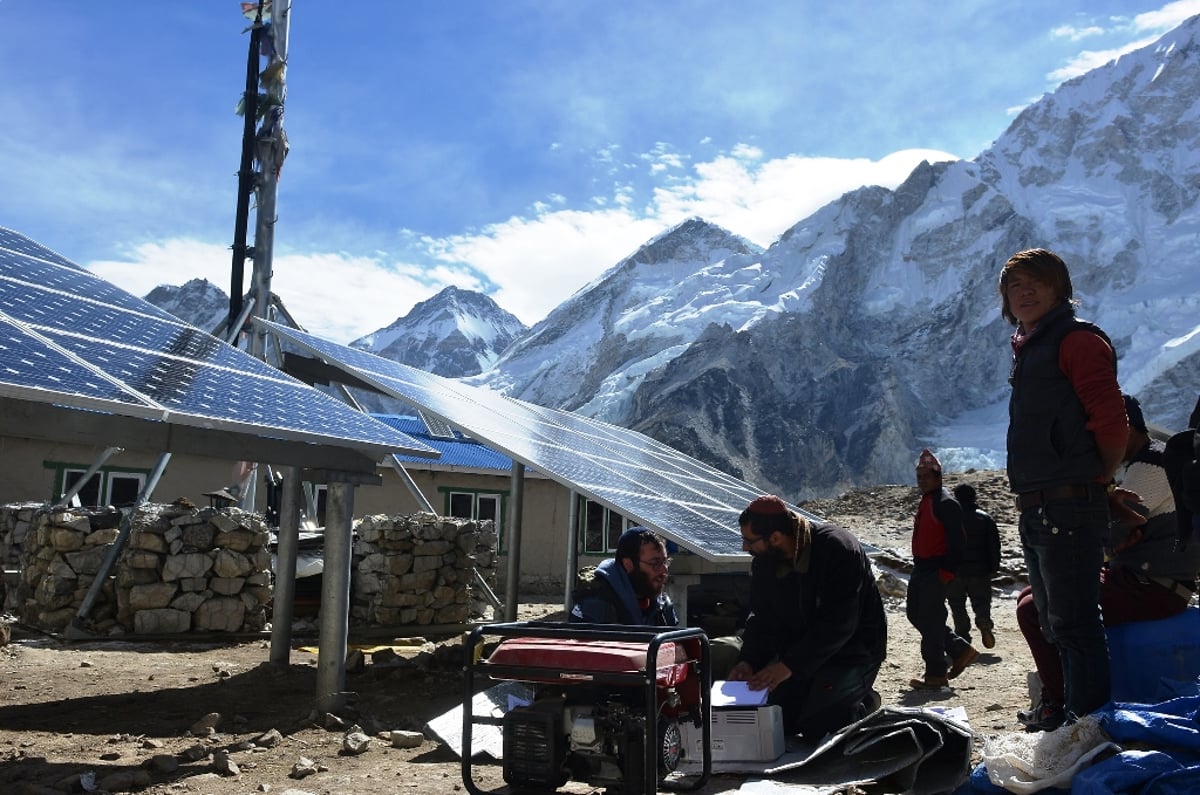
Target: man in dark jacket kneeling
x: 817, y: 633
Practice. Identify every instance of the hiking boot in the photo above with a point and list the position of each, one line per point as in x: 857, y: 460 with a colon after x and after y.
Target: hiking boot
x: 1045, y: 717
x: 961, y: 662
x: 989, y: 640
x: 929, y: 683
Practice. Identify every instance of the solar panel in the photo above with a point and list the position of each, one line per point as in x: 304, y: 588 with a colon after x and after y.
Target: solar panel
x: 437, y: 428
x: 70, y: 338
x: 15, y: 241
x: 688, y: 501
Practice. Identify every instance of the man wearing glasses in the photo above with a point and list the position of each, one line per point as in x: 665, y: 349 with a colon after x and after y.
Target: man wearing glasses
x: 628, y: 588
x: 817, y: 633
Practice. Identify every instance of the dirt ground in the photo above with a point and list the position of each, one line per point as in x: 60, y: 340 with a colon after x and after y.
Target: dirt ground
x: 119, y: 716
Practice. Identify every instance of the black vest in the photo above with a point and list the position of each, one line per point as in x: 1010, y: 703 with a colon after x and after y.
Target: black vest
x: 1048, y: 440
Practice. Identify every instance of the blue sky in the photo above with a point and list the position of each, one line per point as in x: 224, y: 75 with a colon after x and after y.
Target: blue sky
x: 514, y: 147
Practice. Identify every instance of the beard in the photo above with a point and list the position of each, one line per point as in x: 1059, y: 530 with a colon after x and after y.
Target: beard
x: 643, y: 585
x: 775, y: 556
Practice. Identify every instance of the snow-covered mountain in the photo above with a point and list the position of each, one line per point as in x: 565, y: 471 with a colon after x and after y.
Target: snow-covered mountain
x: 199, y: 302
x: 872, y: 327
x: 455, y: 333
x: 642, y: 313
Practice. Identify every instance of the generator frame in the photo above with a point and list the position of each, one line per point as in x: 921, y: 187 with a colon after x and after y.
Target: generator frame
x: 646, y: 679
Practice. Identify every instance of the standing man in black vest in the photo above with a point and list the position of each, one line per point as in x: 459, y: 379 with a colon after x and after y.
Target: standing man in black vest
x: 1067, y: 435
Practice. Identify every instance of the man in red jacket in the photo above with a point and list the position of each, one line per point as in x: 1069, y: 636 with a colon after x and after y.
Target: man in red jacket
x: 937, y: 547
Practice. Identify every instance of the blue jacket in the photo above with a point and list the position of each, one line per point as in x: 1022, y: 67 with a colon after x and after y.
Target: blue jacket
x: 611, y: 600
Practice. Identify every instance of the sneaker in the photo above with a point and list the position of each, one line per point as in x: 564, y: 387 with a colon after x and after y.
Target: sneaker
x: 961, y: 662
x: 989, y: 640
x: 1045, y: 717
x: 929, y: 683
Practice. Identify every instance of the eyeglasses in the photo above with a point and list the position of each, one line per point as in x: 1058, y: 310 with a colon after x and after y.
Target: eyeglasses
x: 748, y: 541
x: 657, y: 563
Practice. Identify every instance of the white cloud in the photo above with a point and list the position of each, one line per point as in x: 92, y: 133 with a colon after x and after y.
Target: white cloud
x: 1167, y: 17
x: 1075, y: 34
x: 336, y: 296
x: 1146, y: 27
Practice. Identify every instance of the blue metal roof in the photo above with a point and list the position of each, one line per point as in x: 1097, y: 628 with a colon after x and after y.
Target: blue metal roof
x: 461, y: 451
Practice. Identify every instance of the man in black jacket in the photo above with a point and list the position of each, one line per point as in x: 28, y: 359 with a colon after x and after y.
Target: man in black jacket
x: 817, y: 632
x: 628, y: 588
x: 980, y: 562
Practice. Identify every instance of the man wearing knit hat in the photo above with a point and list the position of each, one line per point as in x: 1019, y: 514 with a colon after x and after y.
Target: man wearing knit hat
x: 937, y: 548
x: 817, y: 633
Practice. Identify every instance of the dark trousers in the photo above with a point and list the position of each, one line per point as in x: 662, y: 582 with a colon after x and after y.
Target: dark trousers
x: 977, y: 588
x: 831, y: 700
x: 1123, y: 598
x: 926, y: 610
x: 1063, y: 546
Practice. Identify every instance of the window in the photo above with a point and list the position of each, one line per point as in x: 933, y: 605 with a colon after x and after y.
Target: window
x: 478, y: 505
x: 599, y: 527
x: 108, y: 486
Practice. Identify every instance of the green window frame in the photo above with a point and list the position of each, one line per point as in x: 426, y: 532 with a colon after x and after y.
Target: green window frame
x: 109, y: 485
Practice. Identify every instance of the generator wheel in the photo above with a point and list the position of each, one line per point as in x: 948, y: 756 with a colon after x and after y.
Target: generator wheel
x: 670, y: 746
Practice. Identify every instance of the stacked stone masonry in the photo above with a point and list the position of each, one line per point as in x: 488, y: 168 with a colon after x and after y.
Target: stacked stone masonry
x: 185, y: 569
x: 419, y: 570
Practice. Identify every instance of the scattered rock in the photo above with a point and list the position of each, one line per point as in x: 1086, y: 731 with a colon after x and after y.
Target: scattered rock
x: 194, y: 753
x: 124, y: 781
x: 405, y: 739
x: 355, y: 742
x: 223, y: 764
x: 206, y: 726
x: 269, y: 739
x: 304, y: 767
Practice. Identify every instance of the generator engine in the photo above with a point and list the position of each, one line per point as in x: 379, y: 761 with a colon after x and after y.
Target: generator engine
x: 595, y: 708
x: 598, y: 738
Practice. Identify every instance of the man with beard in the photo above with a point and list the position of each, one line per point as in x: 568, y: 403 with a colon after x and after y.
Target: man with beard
x: 817, y: 632
x: 628, y: 588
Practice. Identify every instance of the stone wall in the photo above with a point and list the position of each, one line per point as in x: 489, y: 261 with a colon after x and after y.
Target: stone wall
x: 418, y: 569
x: 181, y: 569
x: 185, y: 569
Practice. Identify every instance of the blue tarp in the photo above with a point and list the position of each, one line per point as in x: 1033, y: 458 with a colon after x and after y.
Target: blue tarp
x: 1161, y: 756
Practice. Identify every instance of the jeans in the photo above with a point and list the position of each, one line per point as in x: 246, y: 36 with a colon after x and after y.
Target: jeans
x: 1123, y: 598
x: 926, y: 611
x: 1063, y: 545
x: 977, y: 588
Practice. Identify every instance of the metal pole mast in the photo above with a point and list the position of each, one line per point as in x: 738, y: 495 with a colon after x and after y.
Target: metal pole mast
x: 245, y: 180
x: 270, y: 150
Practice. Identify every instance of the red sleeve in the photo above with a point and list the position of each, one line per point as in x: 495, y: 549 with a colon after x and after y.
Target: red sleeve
x: 1090, y: 365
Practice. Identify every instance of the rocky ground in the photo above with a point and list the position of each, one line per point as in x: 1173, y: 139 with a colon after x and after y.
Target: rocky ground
x: 218, y: 719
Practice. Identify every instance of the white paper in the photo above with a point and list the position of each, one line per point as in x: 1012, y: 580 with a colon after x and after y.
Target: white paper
x: 737, y: 694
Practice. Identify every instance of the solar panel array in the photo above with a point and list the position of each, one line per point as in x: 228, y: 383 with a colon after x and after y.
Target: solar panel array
x: 69, y: 338
x: 688, y: 501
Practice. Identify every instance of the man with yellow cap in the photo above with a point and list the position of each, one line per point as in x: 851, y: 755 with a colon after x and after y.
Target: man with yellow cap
x: 937, y: 547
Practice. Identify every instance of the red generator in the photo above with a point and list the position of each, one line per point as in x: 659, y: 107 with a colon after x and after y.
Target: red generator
x: 606, y: 708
